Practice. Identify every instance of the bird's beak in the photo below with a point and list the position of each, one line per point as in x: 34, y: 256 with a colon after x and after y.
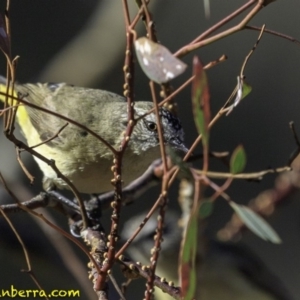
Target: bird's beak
x: 178, y: 144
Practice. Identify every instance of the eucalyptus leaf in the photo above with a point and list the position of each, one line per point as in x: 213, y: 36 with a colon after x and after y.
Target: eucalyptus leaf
x: 187, y: 268
x: 201, y: 100
x: 256, y: 223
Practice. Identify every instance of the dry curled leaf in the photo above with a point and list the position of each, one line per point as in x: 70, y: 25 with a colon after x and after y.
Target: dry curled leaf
x: 157, y: 62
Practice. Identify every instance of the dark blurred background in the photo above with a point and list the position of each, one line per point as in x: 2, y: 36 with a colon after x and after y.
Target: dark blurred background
x: 82, y: 42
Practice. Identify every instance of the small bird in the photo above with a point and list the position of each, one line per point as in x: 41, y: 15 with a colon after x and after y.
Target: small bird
x: 80, y: 156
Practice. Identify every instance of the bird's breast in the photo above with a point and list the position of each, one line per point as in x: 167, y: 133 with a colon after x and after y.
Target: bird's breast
x: 94, y: 177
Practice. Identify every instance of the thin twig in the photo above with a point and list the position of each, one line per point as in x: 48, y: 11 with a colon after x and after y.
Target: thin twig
x: 251, y: 52
x: 223, y: 22
x: 191, y: 47
x: 116, y: 286
x: 255, y: 175
x: 272, y: 32
x: 22, y: 165
x: 51, y: 138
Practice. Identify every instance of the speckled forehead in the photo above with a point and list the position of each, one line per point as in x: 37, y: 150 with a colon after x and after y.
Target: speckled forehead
x: 168, y: 118
x: 171, y: 119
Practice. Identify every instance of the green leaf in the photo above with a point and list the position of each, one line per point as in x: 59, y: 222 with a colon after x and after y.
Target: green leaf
x: 200, y: 100
x: 206, y: 208
x: 246, y: 90
x: 256, y: 223
x: 238, y: 160
x: 243, y: 89
x: 187, y: 268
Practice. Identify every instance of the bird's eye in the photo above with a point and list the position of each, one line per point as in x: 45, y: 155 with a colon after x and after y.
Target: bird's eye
x: 151, y: 126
